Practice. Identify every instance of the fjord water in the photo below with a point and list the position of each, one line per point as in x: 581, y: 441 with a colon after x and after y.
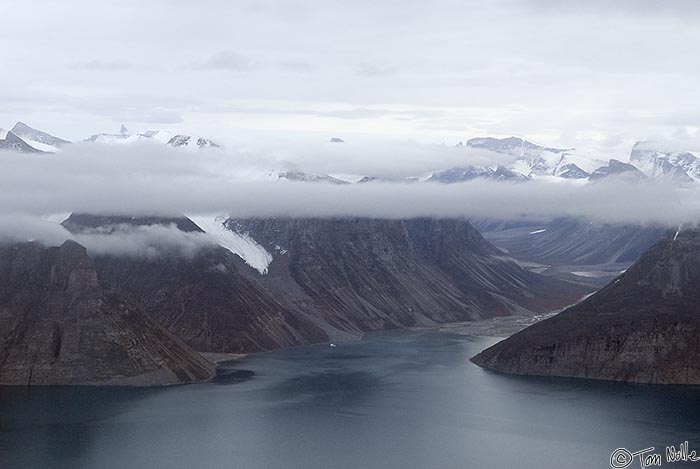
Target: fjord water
x: 392, y: 400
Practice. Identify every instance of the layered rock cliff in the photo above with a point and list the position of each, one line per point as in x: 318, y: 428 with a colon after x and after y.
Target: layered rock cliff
x: 60, y: 325
x: 203, y: 299
x: 643, y: 327
x: 368, y: 274
x: 329, y: 279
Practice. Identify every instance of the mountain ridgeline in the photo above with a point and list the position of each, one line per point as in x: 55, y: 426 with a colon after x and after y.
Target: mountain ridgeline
x: 512, y: 159
x: 643, y: 327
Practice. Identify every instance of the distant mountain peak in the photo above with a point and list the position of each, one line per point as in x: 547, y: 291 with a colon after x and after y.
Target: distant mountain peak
x: 571, y: 171
x: 189, y: 141
x: 161, y: 136
x: 532, y: 159
x: 657, y: 159
x: 38, y: 139
x: 508, y: 144
x: 301, y: 176
x: 468, y: 173
x: 618, y: 168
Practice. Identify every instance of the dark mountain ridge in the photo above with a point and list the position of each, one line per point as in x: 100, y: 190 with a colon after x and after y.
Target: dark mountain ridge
x: 643, y: 327
x: 204, y: 299
x: 329, y: 279
x: 60, y: 325
x: 366, y: 274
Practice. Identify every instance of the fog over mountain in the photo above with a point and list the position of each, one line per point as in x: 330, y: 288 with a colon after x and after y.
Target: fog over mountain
x: 148, y: 178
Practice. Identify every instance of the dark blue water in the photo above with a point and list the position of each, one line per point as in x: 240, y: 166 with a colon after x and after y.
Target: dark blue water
x: 394, y: 400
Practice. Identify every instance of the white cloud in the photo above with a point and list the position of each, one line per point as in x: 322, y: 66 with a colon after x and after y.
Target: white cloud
x: 224, y: 60
x: 149, y: 178
x: 103, y: 65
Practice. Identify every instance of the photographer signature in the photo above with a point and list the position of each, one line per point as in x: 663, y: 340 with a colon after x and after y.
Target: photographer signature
x: 622, y: 457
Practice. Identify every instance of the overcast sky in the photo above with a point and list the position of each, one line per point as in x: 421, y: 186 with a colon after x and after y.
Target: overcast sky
x: 602, y: 73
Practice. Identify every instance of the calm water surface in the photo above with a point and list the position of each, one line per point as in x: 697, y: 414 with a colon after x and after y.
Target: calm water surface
x: 393, y: 400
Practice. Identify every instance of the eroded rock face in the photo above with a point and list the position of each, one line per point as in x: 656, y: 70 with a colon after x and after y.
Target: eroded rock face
x: 202, y: 299
x: 60, y: 326
x: 329, y: 279
x: 644, y: 327
x: 207, y: 303
x: 360, y: 274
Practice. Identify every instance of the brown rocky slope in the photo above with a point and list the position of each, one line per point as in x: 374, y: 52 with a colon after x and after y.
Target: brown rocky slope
x: 330, y: 278
x: 60, y: 326
x: 643, y: 327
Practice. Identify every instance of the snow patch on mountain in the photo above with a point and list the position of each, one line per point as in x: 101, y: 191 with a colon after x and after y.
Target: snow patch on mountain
x: 532, y: 160
x: 240, y: 244
x: 57, y: 218
x: 160, y: 136
x: 658, y: 159
x: 41, y: 146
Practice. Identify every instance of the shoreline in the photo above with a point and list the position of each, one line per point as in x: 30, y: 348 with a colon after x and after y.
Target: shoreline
x: 219, y: 357
x: 501, y: 327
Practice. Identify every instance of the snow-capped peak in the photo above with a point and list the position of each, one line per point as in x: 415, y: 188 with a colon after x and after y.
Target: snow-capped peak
x: 657, y: 159
x: 38, y: 139
x: 534, y: 160
x: 161, y: 136
x: 188, y: 141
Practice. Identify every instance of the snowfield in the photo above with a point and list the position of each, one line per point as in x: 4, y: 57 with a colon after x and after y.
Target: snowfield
x: 242, y: 245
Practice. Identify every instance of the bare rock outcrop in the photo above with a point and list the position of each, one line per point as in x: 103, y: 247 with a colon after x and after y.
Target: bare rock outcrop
x: 59, y: 325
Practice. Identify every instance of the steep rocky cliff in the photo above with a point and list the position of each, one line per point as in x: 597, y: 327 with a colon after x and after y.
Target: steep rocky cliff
x: 329, y: 279
x: 59, y: 325
x: 203, y: 299
x: 360, y: 274
x: 643, y: 327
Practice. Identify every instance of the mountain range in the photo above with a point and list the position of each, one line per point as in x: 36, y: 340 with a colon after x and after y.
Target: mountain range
x: 647, y: 160
x: 529, y: 160
x: 160, y: 136
x: 25, y: 139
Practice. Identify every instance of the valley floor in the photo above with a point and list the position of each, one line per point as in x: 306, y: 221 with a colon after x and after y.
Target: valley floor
x: 503, y: 326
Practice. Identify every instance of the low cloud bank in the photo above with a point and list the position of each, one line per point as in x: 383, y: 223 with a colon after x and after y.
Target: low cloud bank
x: 152, y: 179
x: 152, y: 241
